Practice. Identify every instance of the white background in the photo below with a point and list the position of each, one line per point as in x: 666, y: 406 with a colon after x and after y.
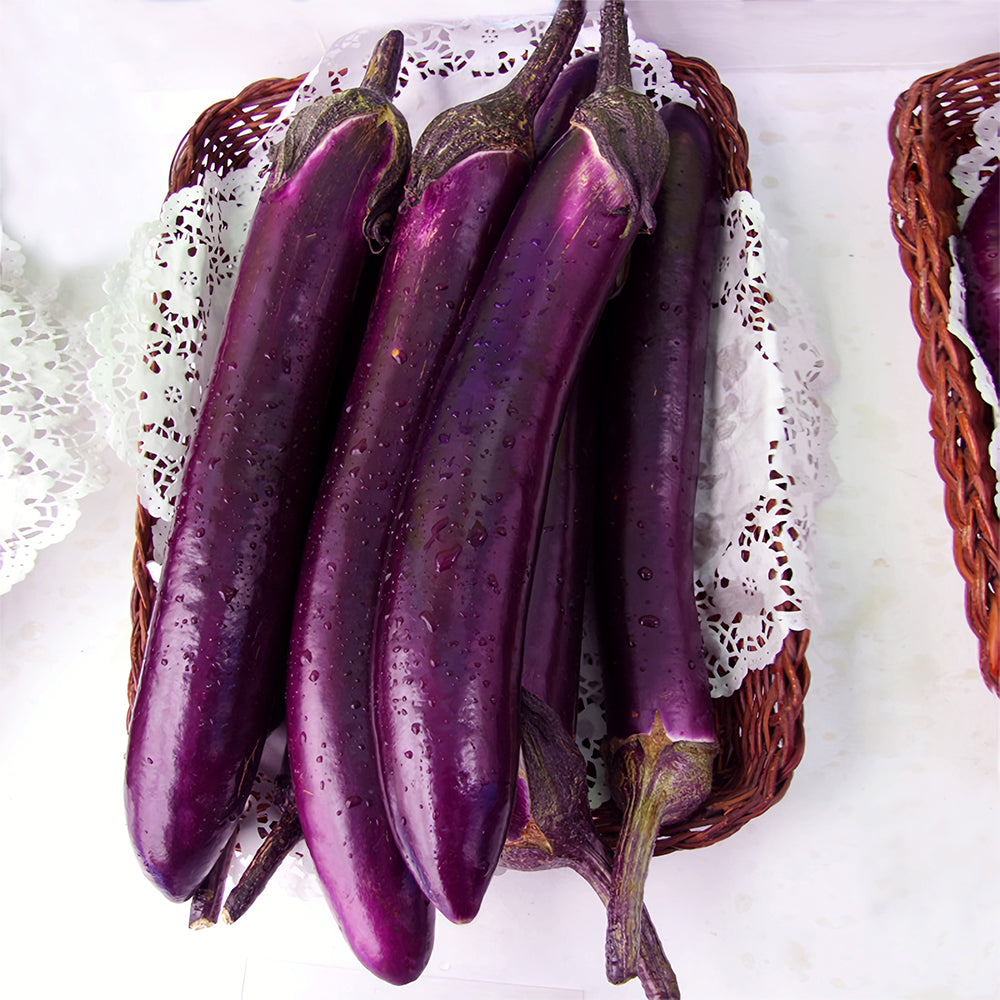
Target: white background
x: 876, y: 878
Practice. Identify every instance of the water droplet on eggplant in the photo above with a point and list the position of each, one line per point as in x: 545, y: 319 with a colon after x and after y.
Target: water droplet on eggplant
x: 445, y: 559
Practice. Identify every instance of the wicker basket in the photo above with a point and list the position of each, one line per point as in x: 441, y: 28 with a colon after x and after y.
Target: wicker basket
x: 760, y: 726
x: 931, y: 127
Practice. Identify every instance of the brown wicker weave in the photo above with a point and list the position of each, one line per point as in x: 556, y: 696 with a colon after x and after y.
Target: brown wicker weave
x: 760, y: 727
x: 931, y: 127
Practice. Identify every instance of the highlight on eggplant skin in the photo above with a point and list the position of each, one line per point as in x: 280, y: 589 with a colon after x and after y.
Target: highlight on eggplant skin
x: 573, y: 85
x: 211, y: 684
x: 446, y: 670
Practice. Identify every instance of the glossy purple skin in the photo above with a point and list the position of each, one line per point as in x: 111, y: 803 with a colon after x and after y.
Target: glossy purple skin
x: 447, y: 665
x: 213, y: 671
x: 435, y: 259
x: 573, y: 84
x: 979, y: 257
x: 653, y: 343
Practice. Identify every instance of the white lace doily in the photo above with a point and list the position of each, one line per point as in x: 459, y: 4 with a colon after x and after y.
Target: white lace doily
x: 765, y: 459
x: 969, y: 175
x: 51, y: 446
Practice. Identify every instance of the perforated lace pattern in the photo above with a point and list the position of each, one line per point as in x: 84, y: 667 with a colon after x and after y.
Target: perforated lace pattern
x: 51, y: 446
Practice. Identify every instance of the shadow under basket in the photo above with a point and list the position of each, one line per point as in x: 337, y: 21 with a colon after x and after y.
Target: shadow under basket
x: 932, y: 125
x: 760, y: 726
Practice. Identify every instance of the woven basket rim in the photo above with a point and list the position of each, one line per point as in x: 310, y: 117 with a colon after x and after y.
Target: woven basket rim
x: 932, y: 125
x: 761, y: 730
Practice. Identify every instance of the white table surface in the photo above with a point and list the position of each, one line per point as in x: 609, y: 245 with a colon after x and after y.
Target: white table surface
x: 876, y: 878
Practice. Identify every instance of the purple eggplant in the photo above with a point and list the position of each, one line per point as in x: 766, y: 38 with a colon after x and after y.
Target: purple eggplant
x: 212, y: 678
x: 457, y: 201
x: 554, y: 624
x: 551, y: 825
x: 447, y: 664
x: 653, y: 343
x: 979, y: 259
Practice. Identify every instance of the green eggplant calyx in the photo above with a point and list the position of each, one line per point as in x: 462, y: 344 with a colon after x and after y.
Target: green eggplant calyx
x: 459, y: 133
x: 624, y: 123
x: 557, y: 778
x: 312, y: 123
x: 370, y: 103
x: 501, y: 121
x: 654, y: 780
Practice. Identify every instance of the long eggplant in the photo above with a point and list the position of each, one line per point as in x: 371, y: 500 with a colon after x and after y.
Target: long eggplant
x: 554, y: 623
x: 653, y: 343
x: 467, y: 171
x: 551, y: 825
x: 212, y: 678
x: 449, y: 635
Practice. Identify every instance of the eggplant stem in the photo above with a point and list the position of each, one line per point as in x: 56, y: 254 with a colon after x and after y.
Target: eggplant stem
x: 557, y: 788
x: 615, y: 56
x: 653, y: 969
x: 503, y: 120
x: 382, y: 71
x: 535, y: 78
x: 206, y: 902
x: 624, y: 123
x: 655, y: 780
x: 276, y: 846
